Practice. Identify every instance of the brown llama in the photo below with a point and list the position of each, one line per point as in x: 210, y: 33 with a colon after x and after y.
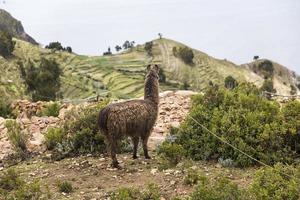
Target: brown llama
x: 134, y: 118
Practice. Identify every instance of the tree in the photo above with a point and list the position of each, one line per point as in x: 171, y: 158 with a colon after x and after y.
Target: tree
x: 108, y: 52
x: 268, y: 86
x: 148, y: 48
x: 230, y: 82
x: 255, y: 57
x: 126, y: 44
x: 55, y: 45
x: 162, y: 76
x: 186, y: 54
x: 160, y: 35
x: 293, y: 90
x: 266, y: 67
x: 118, y: 48
x: 43, y: 82
x: 69, y: 49
x: 7, y: 45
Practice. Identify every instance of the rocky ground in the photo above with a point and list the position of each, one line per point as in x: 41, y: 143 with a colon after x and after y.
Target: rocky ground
x: 173, y: 108
x: 91, y: 177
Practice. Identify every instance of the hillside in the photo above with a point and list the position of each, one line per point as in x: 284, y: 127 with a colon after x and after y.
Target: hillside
x: 122, y: 75
x: 14, y: 27
x: 283, y: 77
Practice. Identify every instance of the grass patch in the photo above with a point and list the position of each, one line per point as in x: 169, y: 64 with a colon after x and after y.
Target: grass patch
x: 65, y: 187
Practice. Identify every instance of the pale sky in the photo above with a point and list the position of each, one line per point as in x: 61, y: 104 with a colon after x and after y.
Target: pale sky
x: 232, y: 29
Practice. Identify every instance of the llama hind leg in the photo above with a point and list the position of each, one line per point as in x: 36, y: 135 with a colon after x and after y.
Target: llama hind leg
x: 145, y: 147
x: 135, y: 141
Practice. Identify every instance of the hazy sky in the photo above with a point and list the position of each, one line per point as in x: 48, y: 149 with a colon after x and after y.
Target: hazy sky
x: 232, y: 29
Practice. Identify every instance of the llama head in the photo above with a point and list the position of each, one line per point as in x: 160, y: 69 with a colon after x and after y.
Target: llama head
x: 153, y: 70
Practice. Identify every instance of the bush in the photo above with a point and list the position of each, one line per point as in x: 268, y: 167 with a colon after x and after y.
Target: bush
x: 230, y: 82
x: 42, y: 82
x: 293, y: 90
x: 291, y: 114
x: 185, y: 54
x: 7, y: 45
x: 162, y: 76
x: 10, y: 180
x: 273, y: 184
x: 220, y: 189
x: 268, y: 86
x: 151, y: 192
x: 13, y: 187
x: 52, y: 109
x: 5, y: 108
x: 266, y: 68
x: 16, y: 137
x: 53, y: 137
x: 148, y: 48
x: 193, y: 177
x: 65, y: 187
x: 243, y: 118
x: 82, y: 132
x: 171, y: 152
x: 55, y: 45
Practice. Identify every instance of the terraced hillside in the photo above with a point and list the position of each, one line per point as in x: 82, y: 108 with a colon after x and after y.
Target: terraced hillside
x: 122, y: 75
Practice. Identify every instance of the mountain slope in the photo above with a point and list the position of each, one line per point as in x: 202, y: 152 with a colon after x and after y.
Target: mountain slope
x: 13, y: 27
x: 283, y: 78
x: 122, y: 75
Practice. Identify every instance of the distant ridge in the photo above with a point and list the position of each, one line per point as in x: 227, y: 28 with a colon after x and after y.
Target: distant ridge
x: 14, y: 27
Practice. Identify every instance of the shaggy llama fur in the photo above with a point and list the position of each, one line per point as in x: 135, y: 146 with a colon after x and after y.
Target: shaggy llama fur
x: 134, y: 118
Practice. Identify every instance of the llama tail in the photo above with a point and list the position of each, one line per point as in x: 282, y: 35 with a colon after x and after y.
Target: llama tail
x: 102, y: 120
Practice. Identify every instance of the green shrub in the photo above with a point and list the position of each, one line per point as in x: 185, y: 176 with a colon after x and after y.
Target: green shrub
x: 266, y: 68
x: 184, y: 53
x: 7, y: 44
x: 5, y: 108
x: 52, y: 109
x: 230, y: 82
x: 13, y: 187
x: 10, y: 180
x: 273, y: 184
x: 16, y: 137
x: 293, y: 90
x: 268, y: 86
x: 291, y: 114
x: 148, y: 48
x: 29, y: 192
x: 42, y: 82
x: 53, y: 137
x: 193, y: 177
x: 65, y: 187
x: 243, y: 118
x: 221, y: 189
x: 171, y: 152
x: 125, y: 194
x: 82, y: 132
x: 151, y: 192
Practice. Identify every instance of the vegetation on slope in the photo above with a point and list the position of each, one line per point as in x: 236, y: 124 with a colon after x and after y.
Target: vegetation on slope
x: 253, y: 124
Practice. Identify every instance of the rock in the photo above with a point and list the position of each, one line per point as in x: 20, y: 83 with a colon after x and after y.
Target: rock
x: 153, y: 171
x: 172, y: 182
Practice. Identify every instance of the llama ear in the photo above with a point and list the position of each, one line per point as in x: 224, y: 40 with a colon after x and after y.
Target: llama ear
x: 156, y: 67
x: 148, y: 67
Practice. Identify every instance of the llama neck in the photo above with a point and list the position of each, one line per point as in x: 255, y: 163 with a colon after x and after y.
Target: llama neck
x: 151, y: 89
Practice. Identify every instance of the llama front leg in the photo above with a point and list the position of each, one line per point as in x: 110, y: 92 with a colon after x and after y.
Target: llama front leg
x: 145, y: 147
x: 135, y: 141
x: 113, y: 148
